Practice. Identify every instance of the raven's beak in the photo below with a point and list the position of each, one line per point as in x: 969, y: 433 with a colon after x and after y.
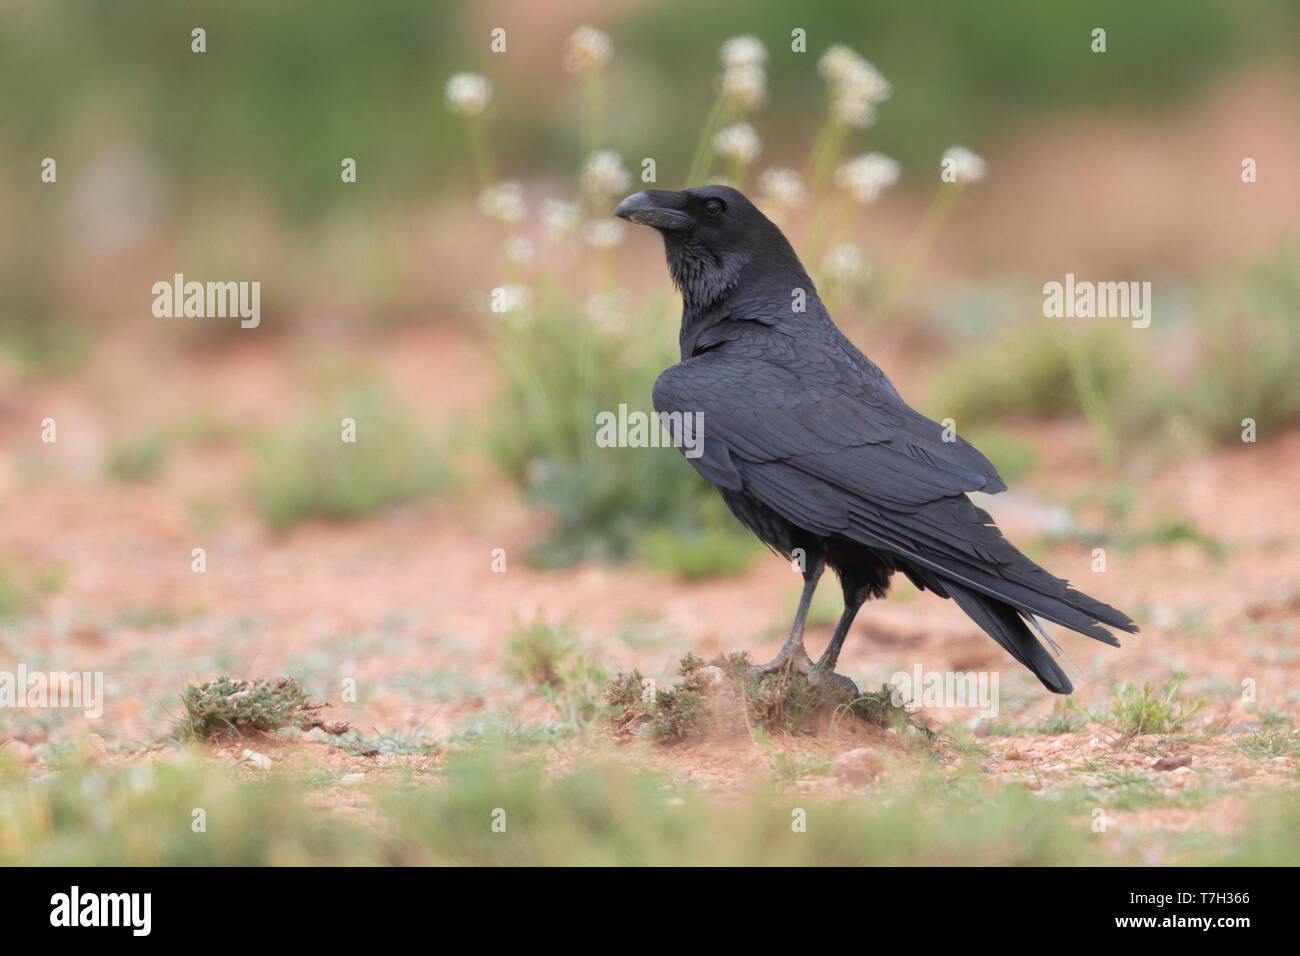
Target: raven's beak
x: 655, y: 207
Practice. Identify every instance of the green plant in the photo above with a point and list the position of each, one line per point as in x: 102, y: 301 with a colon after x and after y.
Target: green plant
x: 136, y: 459
x: 546, y: 657
x: 1249, y: 339
x: 237, y: 707
x: 12, y: 598
x: 311, y: 471
x: 1028, y: 371
x: 1145, y: 710
x: 708, y: 552
x: 1270, y: 740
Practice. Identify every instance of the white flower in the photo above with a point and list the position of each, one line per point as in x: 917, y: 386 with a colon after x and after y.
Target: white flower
x: 604, y: 175
x: 589, y: 50
x: 743, y: 51
x: 845, y: 265
x: 856, y: 86
x: 781, y: 187
x: 863, y: 81
x: 745, y: 86
x: 866, y: 177
x: 503, y: 202
x: 605, y: 310
x: 468, y: 94
x: 738, y: 142
x: 744, y: 81
x: 558, y: 218
x: 519, y: 250
x: 853, y: 112
x: 835, y: 62
x: 968, y: 167
x: 603, y: 233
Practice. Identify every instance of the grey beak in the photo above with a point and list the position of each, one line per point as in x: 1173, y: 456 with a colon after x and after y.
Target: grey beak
x: 655, y: 207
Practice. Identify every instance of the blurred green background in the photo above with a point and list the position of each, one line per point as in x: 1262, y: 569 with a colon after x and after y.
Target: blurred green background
x: 226, y: 164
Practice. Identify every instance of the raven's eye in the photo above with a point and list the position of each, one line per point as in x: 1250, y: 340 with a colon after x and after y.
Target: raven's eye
x: 713, y: 207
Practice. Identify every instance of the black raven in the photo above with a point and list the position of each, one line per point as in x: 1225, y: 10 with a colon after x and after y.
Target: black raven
x: 813, y: 449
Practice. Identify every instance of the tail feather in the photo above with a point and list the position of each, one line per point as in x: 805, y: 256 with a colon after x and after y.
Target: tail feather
x: 1004, y: 624
x: 1012, y: 578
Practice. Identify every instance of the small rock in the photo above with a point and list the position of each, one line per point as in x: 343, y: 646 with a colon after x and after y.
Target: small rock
x: 1033, y: 783
x: 983, y: 730
x: 710, y: 677
x: 1011, y: 753
x: 858, y: 766
x: 1185, y: 777
x: 95, y: 749
x: 1172, y: 763
x: 260, y: 761
x: 352, y: 779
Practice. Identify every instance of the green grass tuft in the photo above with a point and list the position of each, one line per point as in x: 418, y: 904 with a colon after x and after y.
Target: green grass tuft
x: 238, y: 707
x: 1145, y: 710
x: 309, y: 471
x: 136, y: 459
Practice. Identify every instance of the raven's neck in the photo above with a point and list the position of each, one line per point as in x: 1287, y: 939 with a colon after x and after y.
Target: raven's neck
x: 782, y: 298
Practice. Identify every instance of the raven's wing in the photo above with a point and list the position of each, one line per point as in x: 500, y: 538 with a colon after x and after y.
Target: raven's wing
x: 844, y: 424
x: 836, y: 452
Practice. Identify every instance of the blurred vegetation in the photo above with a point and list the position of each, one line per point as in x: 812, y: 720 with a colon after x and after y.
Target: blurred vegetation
x: 23, y: 584
x: 546, y: 657
x: 1244, y: 333
x: 962, y: 72
x: 284, y: 85
x: 283, y: 93
x: 595, y: 813
x: 1249, y: 340
x: 310, y: 471
x: 207, y: 152
x: 230, y: 160
x: 1026, y: 370
x: 12, y: 598
x: 559, y: 371
x: 135, y: 458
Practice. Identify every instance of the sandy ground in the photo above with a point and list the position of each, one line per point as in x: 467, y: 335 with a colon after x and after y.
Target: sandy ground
x: 408, y: 606
x: 407, y: 603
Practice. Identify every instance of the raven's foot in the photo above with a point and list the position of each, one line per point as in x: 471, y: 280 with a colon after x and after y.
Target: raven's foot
x: 834, y: 688
x: 794, y: 659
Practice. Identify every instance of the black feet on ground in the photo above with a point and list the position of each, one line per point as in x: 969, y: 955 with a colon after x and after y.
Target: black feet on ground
x: 834, y: 688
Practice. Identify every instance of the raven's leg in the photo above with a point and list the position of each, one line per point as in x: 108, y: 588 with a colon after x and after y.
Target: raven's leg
x: 792, y: 653
x: 824, y: 673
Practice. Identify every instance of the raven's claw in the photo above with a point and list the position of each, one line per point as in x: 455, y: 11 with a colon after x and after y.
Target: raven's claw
x: 834, y: 687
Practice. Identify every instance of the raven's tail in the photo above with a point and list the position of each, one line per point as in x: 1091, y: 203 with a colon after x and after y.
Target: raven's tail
x: 1005, y: 625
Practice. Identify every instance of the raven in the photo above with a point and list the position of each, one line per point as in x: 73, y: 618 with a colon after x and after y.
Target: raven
x: 814, y: 450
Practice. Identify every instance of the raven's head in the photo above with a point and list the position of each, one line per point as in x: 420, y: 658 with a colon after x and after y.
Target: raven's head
x: 711, y: 235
